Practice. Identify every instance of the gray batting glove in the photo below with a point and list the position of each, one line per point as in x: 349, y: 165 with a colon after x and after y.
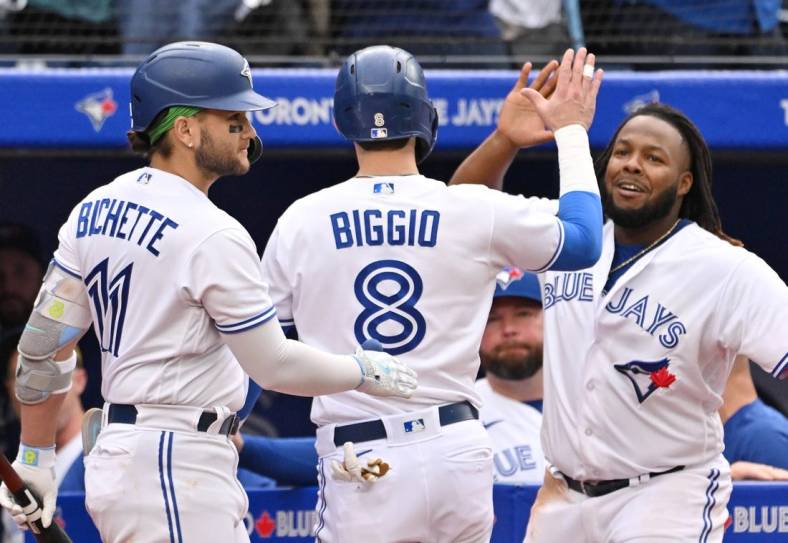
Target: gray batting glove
x: 384, y: 375
x: 40, y: 479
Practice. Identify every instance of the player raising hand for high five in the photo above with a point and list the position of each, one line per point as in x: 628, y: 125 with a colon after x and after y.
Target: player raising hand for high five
x: 396, y: 257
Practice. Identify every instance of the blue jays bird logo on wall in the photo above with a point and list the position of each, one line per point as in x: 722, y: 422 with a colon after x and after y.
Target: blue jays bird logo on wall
x: 507, y: 275
x: 98, y: 107
x: 647, y: 377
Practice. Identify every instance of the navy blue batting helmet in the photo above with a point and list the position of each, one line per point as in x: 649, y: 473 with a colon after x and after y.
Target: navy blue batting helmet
x: 197, y: 74
x: 381, y: 95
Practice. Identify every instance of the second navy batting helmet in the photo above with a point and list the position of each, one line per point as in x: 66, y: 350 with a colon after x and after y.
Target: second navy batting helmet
x: 381, y: 95
x: 197, y: 74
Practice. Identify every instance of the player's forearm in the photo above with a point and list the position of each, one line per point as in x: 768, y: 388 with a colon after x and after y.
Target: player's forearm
x: 579, y: 208
x: 289, y: 461
x: 280, y: 364
x: 488, y: 163
x: 39, y: 421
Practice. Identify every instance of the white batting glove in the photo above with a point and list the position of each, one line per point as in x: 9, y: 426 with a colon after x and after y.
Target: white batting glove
x: 352, y: 470
x: 36, y: 467
x: 384, y: 375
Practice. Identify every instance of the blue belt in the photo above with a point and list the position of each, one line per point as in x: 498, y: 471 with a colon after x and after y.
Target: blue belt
x: 375, y: 429
x: 127, y: 414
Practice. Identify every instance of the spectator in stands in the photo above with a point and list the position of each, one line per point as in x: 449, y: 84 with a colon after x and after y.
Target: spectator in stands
x: 20, y: 273
x: 9, y: 422
x: 145, y: 25
x: 756, y: 435
x: 425, y: 28
x: 511, y: 355
x: 537, y: 28
x: 693, y: 27
x: 62, y: 27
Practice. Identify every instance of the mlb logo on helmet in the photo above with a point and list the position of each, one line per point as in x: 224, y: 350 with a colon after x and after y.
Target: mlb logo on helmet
x: 378, y: 133
x: 416, y: 425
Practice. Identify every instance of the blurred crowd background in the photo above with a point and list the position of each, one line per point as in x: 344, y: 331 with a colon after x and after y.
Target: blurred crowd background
x: 643, y: 34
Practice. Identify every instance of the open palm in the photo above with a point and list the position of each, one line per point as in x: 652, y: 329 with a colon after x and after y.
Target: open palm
x: 518, y: 119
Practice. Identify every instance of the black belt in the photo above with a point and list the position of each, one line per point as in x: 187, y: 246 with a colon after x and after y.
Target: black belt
x: 374, y: 429
x: 600, y: 488
x: 127, y: 414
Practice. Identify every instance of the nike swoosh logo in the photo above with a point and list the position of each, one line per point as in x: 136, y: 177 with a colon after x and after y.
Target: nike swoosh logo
x: 493, y: 423
x: 33, y: 328
x: 363, y: 452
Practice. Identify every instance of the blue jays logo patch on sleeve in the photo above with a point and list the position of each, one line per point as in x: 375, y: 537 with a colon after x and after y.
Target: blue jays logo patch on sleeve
x: 647, y: 377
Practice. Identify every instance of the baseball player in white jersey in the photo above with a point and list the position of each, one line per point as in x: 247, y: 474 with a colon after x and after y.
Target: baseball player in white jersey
x: 173, y: 287
x: 638, y: 347
x: 401, y: 259
x: 511, y: 391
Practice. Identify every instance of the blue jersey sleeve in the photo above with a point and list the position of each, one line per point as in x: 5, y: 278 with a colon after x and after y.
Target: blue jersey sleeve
x: 757, y: 433
x: 252, y: 395
x: 580, y: 214
x: 289, y: 461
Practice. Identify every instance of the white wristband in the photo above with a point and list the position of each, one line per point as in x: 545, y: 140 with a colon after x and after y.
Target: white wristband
x: 574, y: 160
x: 38, y: 457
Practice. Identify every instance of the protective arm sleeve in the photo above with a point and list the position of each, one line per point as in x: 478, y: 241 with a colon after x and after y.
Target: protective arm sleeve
x: 289, y: 461
x: 579, y: 208
x: 281, y: 364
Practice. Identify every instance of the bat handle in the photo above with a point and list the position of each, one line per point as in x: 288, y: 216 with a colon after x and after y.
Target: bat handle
x: 31, y: 506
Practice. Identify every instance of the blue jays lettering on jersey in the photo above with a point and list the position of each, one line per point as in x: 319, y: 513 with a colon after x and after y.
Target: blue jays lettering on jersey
x: 648, y: 359
x: 513, y: 427
x: 652, y: 317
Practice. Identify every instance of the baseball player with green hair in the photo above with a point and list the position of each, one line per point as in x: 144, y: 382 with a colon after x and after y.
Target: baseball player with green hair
x: 173, y: 288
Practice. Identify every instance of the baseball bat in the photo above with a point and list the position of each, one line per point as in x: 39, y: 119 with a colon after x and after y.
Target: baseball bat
x: 29, y: 501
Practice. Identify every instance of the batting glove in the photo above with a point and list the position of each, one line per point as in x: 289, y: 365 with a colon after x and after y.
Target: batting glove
x: 352, y: 470
x: 36, y: 467
x: 384, y: 375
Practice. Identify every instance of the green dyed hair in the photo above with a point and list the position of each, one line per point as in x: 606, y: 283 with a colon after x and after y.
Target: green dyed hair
x: 159, y: 129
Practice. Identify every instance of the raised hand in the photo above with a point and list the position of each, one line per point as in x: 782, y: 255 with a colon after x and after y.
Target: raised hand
x: 518, y: 120
x: 574, y: 98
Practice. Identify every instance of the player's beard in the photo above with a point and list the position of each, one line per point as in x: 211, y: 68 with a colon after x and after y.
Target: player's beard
x: 642, y: 216
x: 216, y: 161
x: 513, y: 368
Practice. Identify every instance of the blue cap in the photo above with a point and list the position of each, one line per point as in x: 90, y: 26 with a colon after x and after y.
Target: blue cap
x: 512, y: 281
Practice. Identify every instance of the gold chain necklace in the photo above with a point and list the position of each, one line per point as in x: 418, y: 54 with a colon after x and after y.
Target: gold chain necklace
x: 653, y: 244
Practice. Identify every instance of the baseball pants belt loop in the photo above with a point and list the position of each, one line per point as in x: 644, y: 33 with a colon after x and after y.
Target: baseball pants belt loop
x: 600, y: 488
x: 375, y: 429
x: 127, y: 414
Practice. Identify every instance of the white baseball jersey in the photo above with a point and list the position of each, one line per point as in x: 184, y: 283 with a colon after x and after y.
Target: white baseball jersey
x: 636, y: 387
x: 514, y: 428
x: 165, y: 271
x: 409, y: 262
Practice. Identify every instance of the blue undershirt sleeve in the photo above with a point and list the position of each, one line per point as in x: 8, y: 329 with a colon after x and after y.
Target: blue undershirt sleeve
x: 580, y: 214
x: 290, y: 461
x: 252, y: 395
